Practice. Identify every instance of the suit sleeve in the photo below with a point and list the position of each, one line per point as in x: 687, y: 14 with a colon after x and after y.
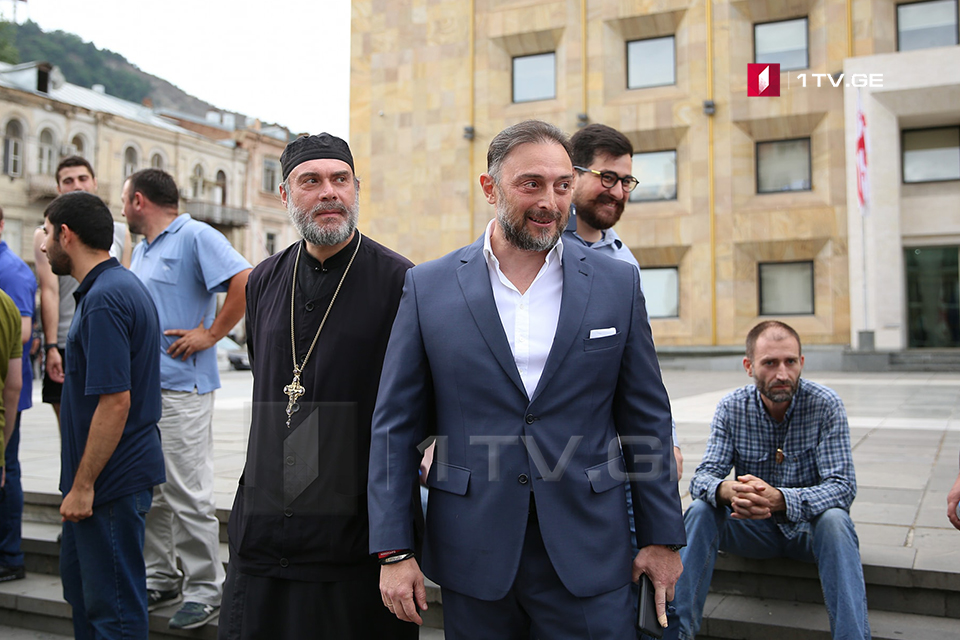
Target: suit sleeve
x: 400, y: 423
x: 644, y: 422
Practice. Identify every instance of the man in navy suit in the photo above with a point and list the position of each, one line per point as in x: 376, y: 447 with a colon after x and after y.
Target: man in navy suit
x: 532, y: 362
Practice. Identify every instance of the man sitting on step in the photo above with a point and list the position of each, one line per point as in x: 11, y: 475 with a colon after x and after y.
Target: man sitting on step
x: 789, y: 441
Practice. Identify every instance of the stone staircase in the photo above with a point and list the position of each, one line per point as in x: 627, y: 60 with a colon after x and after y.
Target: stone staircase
x: 37, y: 601
x: 749, y: 600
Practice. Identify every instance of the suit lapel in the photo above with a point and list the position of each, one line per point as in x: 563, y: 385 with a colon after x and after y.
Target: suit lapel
x: 475, y: 285
x: 577, y: 280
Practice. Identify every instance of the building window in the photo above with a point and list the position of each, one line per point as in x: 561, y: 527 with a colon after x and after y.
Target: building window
x: 221, y: 188
x: 786, y: 288
x: 783, y: 43
x: 271, y: 175
x: 651, y: 63
x: 661, y: 289
x: 131, y: 162
x: 196, y: 182
x: 49, y: 156
x: 13, y: 149
x: 271, y: 243
x: 933, y: 296
x: 535, y: 77
x: 156, y: 161
x: 79, y: 148
x: 922, y: 25
x: 657, y: 173
x: 783, y: 165
x: 931, y: 155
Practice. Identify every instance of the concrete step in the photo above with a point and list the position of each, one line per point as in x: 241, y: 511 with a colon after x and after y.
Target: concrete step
x: 747, y: 618
x: 889, y: 588
x: 42, y: 557
x: 37, y: 603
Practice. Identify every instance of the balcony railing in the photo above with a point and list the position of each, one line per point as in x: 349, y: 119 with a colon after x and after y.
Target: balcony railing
x: 41, y: 186
x: 216, y: 213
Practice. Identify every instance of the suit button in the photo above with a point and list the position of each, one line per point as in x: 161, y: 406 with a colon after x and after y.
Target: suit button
x: 523, y: 479
x: 288, y: 512
x: 283, y: 562
x: 309, y: 306
x: 291, y: 461
x: 530, y: 419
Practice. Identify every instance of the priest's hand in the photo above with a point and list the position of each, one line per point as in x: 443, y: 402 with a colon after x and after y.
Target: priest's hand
x: 402, y: 590
x: 191, y: 341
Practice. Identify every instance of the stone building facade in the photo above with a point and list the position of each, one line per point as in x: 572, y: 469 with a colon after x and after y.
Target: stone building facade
x: 743, y: 212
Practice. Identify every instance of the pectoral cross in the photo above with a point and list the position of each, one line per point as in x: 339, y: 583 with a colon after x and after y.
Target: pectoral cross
x: 293, y: 390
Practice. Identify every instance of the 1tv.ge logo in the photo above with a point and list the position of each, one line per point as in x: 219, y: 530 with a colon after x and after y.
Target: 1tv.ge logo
x: 763, y: 80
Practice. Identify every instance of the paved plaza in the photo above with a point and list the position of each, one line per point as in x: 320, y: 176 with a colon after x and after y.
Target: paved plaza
x: 905, y: 430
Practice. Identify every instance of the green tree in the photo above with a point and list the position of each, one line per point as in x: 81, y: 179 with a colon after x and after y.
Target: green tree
x: 8, y: 43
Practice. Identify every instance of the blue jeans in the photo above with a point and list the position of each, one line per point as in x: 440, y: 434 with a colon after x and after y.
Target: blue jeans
x: 102, y: 570
x: 830, y: 542
x: 11, y: 504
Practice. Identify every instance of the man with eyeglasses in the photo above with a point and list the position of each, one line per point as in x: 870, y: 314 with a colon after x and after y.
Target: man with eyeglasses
x: 604, y: 158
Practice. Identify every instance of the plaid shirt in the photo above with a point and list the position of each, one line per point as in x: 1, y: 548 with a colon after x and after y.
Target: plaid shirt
x: 817, y: 469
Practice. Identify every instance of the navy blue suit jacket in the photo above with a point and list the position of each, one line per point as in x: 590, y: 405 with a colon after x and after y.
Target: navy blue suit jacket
x: 449, y: 371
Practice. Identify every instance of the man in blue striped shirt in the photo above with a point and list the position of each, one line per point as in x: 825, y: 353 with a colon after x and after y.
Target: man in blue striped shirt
x: 789, y: 441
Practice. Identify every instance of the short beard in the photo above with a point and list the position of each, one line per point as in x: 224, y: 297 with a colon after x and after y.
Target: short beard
x: 324, y: 235
x: 60, y: 263
x: 519, y: 236
x: 778, y: 396
x: 587, y: 212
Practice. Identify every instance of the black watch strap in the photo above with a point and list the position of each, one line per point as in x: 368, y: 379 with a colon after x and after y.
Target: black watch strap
x: 675, y: 547
x: 49, y: 345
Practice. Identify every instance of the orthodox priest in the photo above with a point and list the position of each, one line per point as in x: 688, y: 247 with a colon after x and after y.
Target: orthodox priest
x: 318, y: 319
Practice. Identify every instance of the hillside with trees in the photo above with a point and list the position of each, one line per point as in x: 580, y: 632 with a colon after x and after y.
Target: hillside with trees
x: 82, y: 63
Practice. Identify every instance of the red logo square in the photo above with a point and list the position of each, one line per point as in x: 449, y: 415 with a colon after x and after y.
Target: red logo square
x: 763, y: 80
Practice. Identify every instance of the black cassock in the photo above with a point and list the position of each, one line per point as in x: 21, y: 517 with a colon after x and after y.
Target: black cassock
x: 300, y: 566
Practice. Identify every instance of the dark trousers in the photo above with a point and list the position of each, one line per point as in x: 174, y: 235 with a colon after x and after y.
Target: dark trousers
x: 11, y: 504
x: 257, y: 607
x: 538, y: 605
x: 102, y: 570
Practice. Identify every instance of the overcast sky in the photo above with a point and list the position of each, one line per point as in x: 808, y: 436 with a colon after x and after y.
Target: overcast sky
x: 283, y: 61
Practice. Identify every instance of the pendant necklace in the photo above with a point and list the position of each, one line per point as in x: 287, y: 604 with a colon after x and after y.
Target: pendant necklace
x: 294, y: 390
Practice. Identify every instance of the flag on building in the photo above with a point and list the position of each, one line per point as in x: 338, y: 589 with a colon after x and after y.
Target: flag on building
x: 863, y: 184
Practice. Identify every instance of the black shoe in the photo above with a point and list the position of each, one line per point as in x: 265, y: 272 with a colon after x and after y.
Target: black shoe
x: 11, y: 573
x: 157, y: 599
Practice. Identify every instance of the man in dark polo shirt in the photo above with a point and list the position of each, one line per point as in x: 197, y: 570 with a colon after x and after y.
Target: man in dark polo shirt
x: 111, y: 457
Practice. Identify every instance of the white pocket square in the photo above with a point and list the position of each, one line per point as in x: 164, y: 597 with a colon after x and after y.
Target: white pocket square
x: 602, y: 333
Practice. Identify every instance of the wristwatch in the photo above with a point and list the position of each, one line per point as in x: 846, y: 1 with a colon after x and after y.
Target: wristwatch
x: 674, y: 547
x: 48, y: 346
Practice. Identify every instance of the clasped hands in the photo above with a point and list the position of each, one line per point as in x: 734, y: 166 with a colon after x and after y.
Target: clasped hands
x: 751, y: 498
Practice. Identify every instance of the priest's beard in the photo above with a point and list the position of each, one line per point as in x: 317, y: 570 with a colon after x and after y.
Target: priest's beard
x: 515, y: 226
x: 331, y: 233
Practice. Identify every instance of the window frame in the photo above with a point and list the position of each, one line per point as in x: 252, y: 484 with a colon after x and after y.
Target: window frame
x: 806, y: 47
x: 675, y: 269
x: 13, y: 150
x: 813, y: 288
x: 513, y: 77
x: 903, y: 159
x: 673, y: 38
x: 130, y: 168
x: 676, y: 178
x: 756, y: 164
x: 277, y: 173
x: 48, y: 153
x: 896, y: 19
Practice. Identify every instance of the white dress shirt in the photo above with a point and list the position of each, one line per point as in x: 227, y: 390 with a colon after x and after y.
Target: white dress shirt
x: 529, y: 319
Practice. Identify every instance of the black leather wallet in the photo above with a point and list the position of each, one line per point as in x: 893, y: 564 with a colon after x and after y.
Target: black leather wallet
x: 647, y: 609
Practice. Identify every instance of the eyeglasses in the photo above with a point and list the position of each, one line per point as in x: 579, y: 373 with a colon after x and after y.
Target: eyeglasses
x: 608, y: 179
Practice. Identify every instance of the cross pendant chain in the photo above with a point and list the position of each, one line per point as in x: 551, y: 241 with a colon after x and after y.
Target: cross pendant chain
x: 293, y: 390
